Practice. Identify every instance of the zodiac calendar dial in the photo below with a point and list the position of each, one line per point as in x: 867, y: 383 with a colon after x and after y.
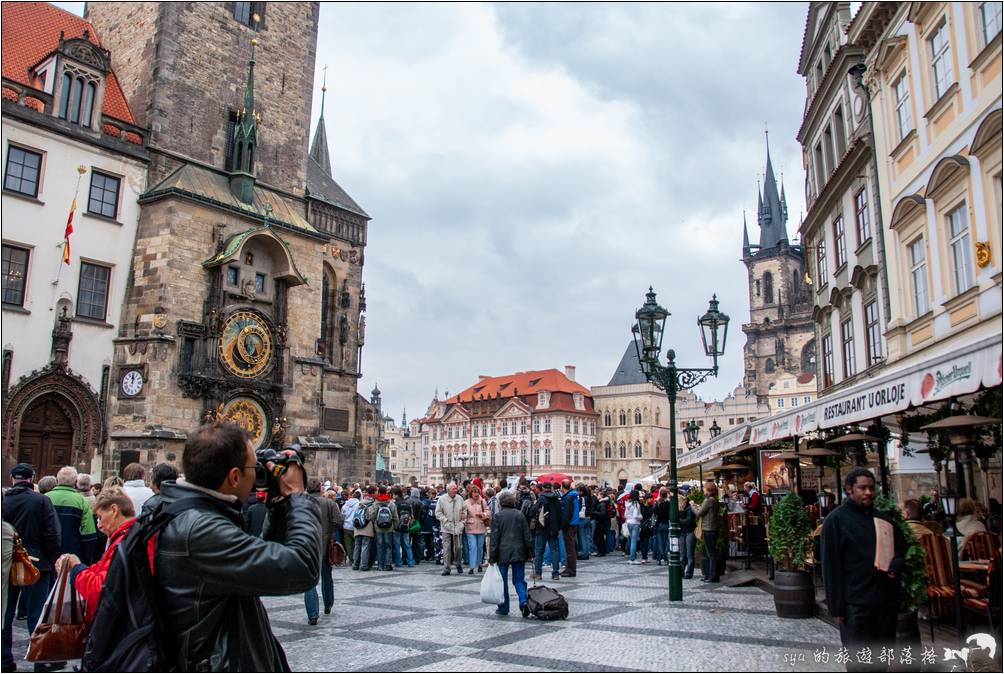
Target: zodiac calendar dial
x: 245, y: 344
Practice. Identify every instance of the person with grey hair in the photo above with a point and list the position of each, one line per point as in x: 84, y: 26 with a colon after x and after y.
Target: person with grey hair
x: 84, y: 484
x: 76, y: 521
x: 510, y: 548
x: 451, y: 511
x: 46, y: 484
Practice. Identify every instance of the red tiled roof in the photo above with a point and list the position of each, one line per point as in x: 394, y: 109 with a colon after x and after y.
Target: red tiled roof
x: 806, y: 377
x: 31, y: 32
x: 524, y: 383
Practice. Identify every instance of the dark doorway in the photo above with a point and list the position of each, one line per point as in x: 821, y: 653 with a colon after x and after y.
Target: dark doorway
x: 46, y: 437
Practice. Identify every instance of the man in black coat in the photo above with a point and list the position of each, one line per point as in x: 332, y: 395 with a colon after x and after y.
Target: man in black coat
x: 34, y: 518
x: 547, y: 530
x: 210, y: 573
x: 862, y: 552
x: 510, y: 548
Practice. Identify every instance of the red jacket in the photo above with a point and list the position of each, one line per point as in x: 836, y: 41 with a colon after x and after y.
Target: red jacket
x: 88, y: 580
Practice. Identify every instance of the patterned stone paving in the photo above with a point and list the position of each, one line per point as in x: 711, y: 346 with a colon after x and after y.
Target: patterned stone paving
x: 620, y: 620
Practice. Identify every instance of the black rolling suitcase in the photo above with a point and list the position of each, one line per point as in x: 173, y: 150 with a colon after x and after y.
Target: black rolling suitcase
x: 546, y: 603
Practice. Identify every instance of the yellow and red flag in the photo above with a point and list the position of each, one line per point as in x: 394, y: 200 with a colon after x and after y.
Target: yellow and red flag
x: 68, y: 231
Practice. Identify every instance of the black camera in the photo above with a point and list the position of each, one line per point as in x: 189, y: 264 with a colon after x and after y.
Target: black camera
x: 267, y: 478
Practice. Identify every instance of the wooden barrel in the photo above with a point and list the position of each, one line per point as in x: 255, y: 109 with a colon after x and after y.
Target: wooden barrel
x: 794, y: 595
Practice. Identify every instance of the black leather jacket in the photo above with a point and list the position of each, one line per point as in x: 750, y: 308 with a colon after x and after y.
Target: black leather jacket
x: 210, y: 575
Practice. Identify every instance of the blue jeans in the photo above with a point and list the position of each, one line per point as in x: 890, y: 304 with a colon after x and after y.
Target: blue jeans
x: 385, y: 548
x: 475, y: 550
x: 361, y: 553
x: 688, y: 546
x: 327, y: 591
x: 635, y: 531
x: 585, y: 538
x: 540, y: 542
x: 660, y: 542
x: 402, y: 549
x: 561, y: 552
x: 33, y: 597
x: 518, y: 582
x: 611, y: 541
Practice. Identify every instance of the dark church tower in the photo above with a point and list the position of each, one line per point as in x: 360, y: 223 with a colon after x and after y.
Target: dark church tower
x: 245, y: 301
x: 780, y: 334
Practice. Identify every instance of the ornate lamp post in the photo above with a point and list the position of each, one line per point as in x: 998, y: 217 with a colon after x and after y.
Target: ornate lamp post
x: 690, y: 432
x: 648, y: 332
x: 715, y: 429
x: 463, y: 459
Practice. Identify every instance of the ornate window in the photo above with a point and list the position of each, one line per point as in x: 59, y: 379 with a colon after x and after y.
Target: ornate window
x: 606, y: 419
x: 637, y: 417
x: 15, y: 271
x: 861, y: 222
x: 918, y: 276
x: 941, y: 60
x: 873, y: 332
x: 847, y: 342
x: 962, y: 258
x: 623, y: 450
x: 623, y: 418
x: 637, y: 449
x: 607, y: 454
x: 904, y: 117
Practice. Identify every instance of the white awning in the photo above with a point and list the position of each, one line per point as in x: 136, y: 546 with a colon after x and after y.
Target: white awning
x: 959, y: 372
x: 725, y: 442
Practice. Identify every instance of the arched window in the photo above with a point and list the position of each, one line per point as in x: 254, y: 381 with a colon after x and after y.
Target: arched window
x: 656, y: 416
x: 606, y: 451
x: 623, y: 418
x: 88, y: 105
x: 606, y: 419
x: 769, y: 367
x: 536, y: 455
x: 658, y: 448
x: 512, y: 456
x: 568, y: 457
x: 623, y: 451
x: 768, y: 287
x: 637, y: 416
x: 637, y: 449
x: 76, y: 96
x: 64, y: 95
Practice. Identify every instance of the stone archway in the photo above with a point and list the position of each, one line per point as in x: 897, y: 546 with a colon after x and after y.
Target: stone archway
x: 52, y: 418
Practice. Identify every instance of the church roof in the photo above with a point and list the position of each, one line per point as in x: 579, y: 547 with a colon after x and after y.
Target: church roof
x: 212, y: 187
x: 31, y: 32
x: 321, y: 186
x: 773, y: 214
x: 629, y: 369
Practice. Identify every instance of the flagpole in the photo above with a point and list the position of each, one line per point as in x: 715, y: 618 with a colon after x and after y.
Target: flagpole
x: 64, y: 255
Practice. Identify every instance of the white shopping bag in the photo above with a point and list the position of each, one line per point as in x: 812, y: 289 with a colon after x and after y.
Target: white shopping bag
x: 492, y: 586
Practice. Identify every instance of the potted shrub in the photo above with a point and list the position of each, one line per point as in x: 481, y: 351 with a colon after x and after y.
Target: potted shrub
x: 912, y: 577
x: 791, y: 546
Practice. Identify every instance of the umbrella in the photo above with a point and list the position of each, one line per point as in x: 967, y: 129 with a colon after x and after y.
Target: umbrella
x: 553, y: 477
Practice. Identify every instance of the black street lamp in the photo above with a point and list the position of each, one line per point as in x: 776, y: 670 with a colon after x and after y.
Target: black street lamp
x: 690, y: 432
x: 715, y: 429
x: 648, y: 332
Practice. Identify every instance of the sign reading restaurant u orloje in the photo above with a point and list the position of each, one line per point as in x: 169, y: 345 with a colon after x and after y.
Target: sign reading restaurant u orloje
x: 953, y: 374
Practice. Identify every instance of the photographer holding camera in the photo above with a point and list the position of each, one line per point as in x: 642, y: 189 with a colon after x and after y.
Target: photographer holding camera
x: 210, y: 573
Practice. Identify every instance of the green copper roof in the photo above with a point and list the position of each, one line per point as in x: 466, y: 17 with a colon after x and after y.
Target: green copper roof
x: 213, y: 188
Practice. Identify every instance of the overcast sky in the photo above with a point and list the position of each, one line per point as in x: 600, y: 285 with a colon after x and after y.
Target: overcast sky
x: 531, y: 168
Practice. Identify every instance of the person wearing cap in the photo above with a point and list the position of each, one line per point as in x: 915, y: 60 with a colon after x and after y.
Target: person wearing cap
x: 34, y: 518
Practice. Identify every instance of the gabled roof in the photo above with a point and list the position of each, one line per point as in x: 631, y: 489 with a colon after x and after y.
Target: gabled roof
x: 31, y: 32
x: 212, y: 187
x: 524, y: 383
x: 321, y: 186
x: 629, y: 369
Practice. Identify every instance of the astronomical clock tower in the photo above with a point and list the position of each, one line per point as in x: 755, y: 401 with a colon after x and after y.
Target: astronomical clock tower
x: 245, y: 299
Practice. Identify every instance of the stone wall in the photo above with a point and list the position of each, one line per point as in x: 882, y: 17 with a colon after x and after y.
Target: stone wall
x: 183, y: 67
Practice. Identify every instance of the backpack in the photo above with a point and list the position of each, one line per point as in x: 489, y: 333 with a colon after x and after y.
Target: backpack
x: 361, y: 518
x: 128, y: 634
x: 405, y: 520
x: 384, y: 517
x: 546, y: 603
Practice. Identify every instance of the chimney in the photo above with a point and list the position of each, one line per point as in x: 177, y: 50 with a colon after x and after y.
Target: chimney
x: 482, y: 377
x: 570, y: 372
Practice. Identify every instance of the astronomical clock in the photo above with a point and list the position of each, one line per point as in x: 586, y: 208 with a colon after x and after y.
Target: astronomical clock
x: 232, y: 360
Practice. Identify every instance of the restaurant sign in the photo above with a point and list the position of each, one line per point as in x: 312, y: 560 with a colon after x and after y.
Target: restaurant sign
x: 715, y: 448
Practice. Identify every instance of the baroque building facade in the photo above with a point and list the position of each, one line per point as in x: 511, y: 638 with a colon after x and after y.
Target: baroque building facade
x: 841, y: 229
x: 72, y: 153
x: 780, y: 338
x: 246, y: 300
x: 526, y: 423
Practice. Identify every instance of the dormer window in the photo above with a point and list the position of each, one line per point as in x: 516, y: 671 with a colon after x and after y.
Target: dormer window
x: 75, y: 75
x: 543, y: 399
x: 77, y: 94
x: 579, y: 401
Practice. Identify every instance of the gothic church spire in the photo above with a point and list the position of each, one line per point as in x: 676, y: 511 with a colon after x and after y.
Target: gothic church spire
x: 772, y: 214
x: 319, y: 146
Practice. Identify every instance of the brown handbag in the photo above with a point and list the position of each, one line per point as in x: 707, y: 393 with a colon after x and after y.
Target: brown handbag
x: 336, y: 553
x: 52, y: 640
x: 22, y: 571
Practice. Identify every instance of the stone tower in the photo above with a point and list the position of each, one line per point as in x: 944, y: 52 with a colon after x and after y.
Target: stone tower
x: 246, y: 299
x: 780, y: 334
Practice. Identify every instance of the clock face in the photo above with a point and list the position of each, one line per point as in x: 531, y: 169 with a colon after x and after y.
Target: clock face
x: 245, y: 344
x: 132, y: 382
x: 249, y: 415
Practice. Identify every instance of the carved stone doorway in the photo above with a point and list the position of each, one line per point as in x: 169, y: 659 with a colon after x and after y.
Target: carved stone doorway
x: 46, y: 440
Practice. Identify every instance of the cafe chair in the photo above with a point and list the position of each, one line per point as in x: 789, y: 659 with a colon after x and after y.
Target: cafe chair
x: 981, y: 545
x: 941, y: 582
x: 988, y: 605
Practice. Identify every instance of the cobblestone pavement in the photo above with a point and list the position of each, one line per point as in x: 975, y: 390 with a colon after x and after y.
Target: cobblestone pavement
x: 620, y: 620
